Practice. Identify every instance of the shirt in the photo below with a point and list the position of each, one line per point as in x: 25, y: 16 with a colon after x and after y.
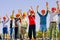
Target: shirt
x: 31, y: 20
x: 43, y: 18
x: 11, y: 23
x: 17, y: 22
x: 4, y: 23
x: 52, y: 16
x: 24, y: 22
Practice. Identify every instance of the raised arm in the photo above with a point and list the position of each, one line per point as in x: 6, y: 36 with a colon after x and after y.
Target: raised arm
x: 12, y: 12
x: 57, y: 5
x: 37, y: 10
x: 7, y: 19
x: 47, y: 7
x: 32, y: 9
x: 20, y: 12
x: 12, y: 16
x: 28, y: 12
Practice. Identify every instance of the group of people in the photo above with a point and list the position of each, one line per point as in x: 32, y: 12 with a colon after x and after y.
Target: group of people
x: 19, y: 22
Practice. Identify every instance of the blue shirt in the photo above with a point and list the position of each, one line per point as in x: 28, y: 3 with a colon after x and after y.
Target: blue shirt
x: 43, y: 18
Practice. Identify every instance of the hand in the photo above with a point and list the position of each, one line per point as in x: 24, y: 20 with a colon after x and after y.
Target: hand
x: 6, y: 15
x: 19, y: 10
x: 12, y: 12
x: 37, y: 7
x: 31, y: 7
x: 57, y: 2
x: 47, y: 4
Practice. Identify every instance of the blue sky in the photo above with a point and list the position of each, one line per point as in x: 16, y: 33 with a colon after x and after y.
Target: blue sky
x: 6, y: 6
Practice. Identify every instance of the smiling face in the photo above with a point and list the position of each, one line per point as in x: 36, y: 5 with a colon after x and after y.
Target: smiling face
x: 43, y: 12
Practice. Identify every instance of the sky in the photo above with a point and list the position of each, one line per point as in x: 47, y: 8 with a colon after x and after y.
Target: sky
x: 6, y: 6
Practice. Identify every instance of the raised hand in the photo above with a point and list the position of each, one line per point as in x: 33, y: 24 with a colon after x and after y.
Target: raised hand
x: 12, y: 12
x: 37, y: 7
x: 31, y: 7
x: 19, y: 10
x: 57, y: 1
x: 57, y: 4
x: 6, y: 15
x: 46, y: 4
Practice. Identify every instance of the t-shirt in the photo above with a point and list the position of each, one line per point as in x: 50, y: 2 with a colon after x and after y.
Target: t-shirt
x: 16, y: 22
x: 31, y: 20
x: 43, y: 18
x: 24, y: 22
x: 4, y: 23
x: 11, y: 23
x: 52, y: 16
x: 59, y: 18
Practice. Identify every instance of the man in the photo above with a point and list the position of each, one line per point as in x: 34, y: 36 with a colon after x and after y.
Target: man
x: 11, y: 24
x: 32, y: 24
x: 5, y: 27
x: 43, y: 18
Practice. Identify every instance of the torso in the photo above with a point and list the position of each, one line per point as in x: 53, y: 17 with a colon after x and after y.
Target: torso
x: 31, y: 20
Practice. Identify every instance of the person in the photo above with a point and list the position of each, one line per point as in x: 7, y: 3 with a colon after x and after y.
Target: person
x: 58, y: 15
x: 59, y: 19
x: 5, y: 27
x: 43, y: 18
x: 17, y: 25
x: 32, y: 24
x: 11, y: 24
x: 53, y: 23
x: 24, y: 24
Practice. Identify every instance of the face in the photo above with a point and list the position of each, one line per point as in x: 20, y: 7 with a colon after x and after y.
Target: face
x: 11, y: 17
x: 24, y: 16
x: 4, y: 19
x: 53, y: 9
x: 43, y: 12
x: 30, y: 13
x: 17, y: 15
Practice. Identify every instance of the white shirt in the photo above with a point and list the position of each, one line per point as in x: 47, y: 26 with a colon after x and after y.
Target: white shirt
x: 4, y: 23
x: 52, y: 16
